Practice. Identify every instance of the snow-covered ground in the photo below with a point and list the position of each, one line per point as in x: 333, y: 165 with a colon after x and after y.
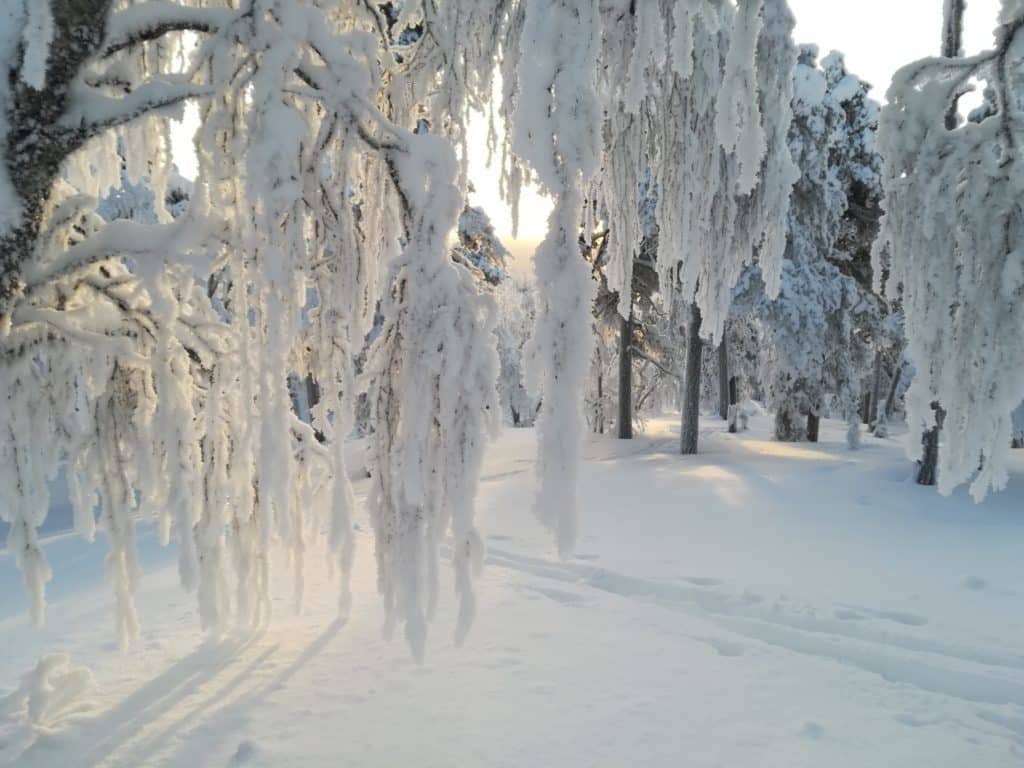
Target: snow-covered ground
x: 758, y: 605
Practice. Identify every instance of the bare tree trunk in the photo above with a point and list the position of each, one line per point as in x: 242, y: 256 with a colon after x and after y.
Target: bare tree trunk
x: 876, y: 390
x: 890, y: 400
x: 927, y: 467
x: 787, y: 426
x: 813, y: 426
x: 626, y: 377
x: 953, y: 28
x: 1017, y: 433
x: 723, y: 380
x: 691, y: 384
x: 733, y: 405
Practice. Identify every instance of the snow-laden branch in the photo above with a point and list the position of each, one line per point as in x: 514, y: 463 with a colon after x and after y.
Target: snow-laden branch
x: 153, y: 19
x: 92, y: 112
x: 118, y: 239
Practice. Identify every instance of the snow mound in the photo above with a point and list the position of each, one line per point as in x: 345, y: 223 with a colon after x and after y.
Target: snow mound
x: 49, y: 696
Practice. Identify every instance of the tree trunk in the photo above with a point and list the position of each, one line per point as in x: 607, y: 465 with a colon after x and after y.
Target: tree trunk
x: 952, y: 36
x: 876, y: 390
x: 626, y: 378
x: 787, y: 426
x: 723, y: 380
x: 691, y: 384
x: 927, y: 467
x: 39, y: 135
x: 813, y: 426
x: 1017, y: 433
x: 953, y: 29
x: 312, y: 391
x: 733, y: 405
x: 890, y: 400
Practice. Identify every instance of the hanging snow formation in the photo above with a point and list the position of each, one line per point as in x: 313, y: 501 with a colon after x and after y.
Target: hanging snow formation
x: 952, y: 246
x: 724, y: 173
x: 555, y: 129
x: 150, y: 360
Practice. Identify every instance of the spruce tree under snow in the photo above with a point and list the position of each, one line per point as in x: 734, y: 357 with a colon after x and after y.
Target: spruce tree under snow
x: 478, y: 247
x: 815, y: 330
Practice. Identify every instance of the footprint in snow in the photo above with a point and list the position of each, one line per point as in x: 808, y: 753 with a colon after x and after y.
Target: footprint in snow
x: 702, y: 581
x: 812, y: 730
x: 847, y: 615
x: 856, y: 613
x: 917, y: 721
x: 902, y: 617
x: 724, y: 647
x: 976, y: 583
x: 558, y: 595
x: 247, y: 754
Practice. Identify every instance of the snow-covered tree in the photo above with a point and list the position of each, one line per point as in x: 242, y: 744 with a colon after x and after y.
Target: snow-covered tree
x: 137, y: 200
x: 478, y: 247
x: 331, y: 150
x: 815, y: 332
x: 951, y: 245
x: 512, y: 332
x: 624, y: 340
x: 728, y: 93
x: 115, y: 361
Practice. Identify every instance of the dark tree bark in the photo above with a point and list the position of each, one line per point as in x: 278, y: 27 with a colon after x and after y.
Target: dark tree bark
x: 723, y: 380
x: 876, y: 390
x: 788, y: 426
x: 927, y: 467
x: 733, y: 404
x: 890, y: 400
x: 953, y: 28
x: 40, y: 137
x: 626, y: 378
x: 813, y: 426
x: 691, y: 384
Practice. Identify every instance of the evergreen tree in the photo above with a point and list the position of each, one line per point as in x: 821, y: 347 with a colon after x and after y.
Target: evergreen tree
x: 817, y: 331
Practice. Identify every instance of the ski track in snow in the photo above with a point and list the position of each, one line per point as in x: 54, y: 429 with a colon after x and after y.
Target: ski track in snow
x: 973, y: 674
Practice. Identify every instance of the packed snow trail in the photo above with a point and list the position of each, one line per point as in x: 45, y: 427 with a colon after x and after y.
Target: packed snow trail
x: 761, y: 604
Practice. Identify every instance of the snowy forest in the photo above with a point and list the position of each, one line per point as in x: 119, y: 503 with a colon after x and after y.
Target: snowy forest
x: 724, y: 468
